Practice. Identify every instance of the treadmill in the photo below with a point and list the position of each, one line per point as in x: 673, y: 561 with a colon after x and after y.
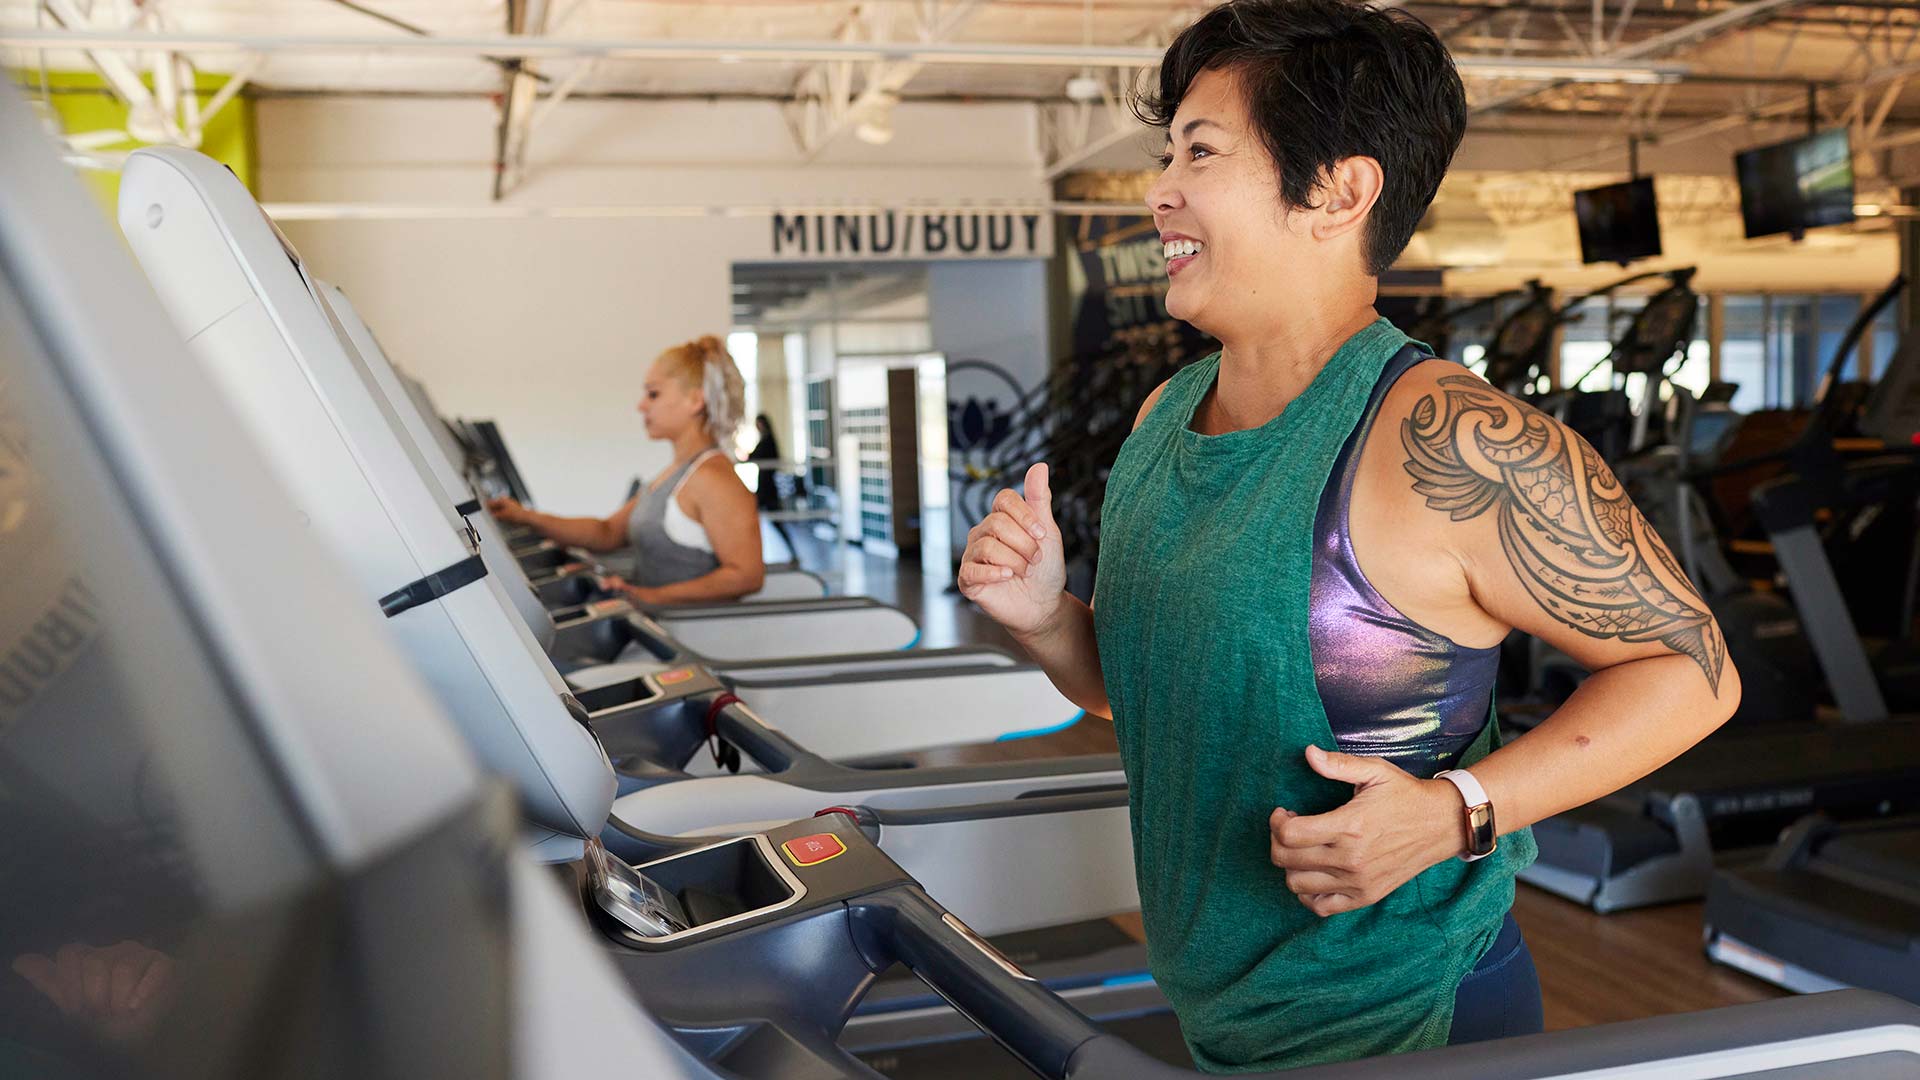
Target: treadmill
x: 780, y: 609
x: 272, y: 812
x: 255, y: 317
x: 1836, y: 903
x: 1729, y: 797
x: 838, y: 712
x: 865, y: 705
x: 786, y: 592
x: 563, y: 577
x: 495, y: 448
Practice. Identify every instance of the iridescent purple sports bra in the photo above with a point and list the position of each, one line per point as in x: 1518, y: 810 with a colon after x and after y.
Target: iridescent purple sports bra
x: 1392, y: 688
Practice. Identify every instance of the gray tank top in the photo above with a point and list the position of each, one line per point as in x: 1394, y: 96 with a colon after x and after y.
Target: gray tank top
x: 659, y: 559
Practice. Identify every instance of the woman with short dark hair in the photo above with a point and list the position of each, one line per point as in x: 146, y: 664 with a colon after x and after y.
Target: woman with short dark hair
x: 1312, y: 546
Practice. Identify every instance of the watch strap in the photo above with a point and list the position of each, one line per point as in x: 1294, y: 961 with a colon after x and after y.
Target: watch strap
x: 1482, y: 839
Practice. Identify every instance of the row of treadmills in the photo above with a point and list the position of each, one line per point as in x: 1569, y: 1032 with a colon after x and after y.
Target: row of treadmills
x: 303, y: 776
x: 1803, y: 838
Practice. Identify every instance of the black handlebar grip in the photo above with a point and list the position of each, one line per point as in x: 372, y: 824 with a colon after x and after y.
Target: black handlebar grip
x: 1012, y: 1007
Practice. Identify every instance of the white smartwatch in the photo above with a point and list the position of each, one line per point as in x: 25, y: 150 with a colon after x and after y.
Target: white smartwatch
x: 1482, y: 838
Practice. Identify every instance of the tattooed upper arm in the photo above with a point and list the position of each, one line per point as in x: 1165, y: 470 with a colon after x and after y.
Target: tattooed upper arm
x: 1568, y: 533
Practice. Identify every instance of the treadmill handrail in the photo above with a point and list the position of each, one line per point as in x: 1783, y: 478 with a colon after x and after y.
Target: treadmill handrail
x: 1058, y: 1042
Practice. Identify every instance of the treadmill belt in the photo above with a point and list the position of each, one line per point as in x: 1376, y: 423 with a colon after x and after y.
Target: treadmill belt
x: 1840, y: 901
x: 1062, y: 942
x: 1891, y: 856
x: 1743, y: 760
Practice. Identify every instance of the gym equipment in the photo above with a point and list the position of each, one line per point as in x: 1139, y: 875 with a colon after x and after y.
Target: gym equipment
x: 444, y: 457
x: 1075, y: 421
x: 1836, y: 902
x: 279, y: 813
x: 1655, y: 337
x: 1834, y: 905
x: 562, y: 576
x: 494, y: 447
x: 1434, y: 327
x: 261, y: 327
x: 192, y: 779
x: 748, y: 631
x: 920, y: 700
x: 1656, y: 840
x: 1729, y: 796
x: 1719, y: 451
x: 1521, y: 350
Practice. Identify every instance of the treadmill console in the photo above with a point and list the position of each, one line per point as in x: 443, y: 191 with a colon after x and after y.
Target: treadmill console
x: 638, y: 902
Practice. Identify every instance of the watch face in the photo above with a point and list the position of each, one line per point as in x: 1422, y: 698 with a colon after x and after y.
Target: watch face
x: 1480, y: 834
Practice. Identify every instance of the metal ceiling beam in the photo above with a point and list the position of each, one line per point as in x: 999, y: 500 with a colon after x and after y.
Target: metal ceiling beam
x: 507, y: 47
x: 525, y: 18
x: 1738, y: 16
x: 516, y: 211
x: 825, y: 105
x: 1067, y: 132
x: 406, y: 27
x: 533, y: 48
x: 1781, y: 109
x: 169, y: 112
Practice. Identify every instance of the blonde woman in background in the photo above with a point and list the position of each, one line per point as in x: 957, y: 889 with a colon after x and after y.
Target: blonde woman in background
x: 694, y: 529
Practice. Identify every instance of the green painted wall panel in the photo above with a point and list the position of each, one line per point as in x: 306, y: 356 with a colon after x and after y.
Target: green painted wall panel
x: 81, y: 101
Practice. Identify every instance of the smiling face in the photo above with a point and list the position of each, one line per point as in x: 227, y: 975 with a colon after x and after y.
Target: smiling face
x: 1231, y: 242
x: 669, y: 406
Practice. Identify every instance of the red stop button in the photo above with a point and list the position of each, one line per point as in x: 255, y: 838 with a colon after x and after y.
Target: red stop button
x: 815, y: 849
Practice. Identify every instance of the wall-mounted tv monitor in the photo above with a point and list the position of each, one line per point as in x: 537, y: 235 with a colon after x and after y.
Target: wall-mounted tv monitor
x: 1791, y: 187
x: 1618, y: 223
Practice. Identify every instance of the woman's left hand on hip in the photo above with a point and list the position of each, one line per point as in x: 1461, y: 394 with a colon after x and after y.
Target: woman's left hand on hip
x: 1395, y: 826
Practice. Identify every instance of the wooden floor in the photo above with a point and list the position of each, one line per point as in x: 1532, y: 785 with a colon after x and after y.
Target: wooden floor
x: 1594, y: 969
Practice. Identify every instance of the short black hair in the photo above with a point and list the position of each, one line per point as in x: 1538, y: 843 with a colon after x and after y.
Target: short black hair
x: 1327, y: 80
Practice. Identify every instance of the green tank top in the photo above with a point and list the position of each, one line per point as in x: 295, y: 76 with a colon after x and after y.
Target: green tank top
x: 1201, y: 612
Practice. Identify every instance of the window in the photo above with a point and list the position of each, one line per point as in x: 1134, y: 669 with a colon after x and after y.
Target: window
x: 1585, y: 343
x: 1743, y: 350
x: 1602, y: 321
x: 1792, y: 344
x: 1836, y: 315
x: 744, y: 347
x: 1475, y: 358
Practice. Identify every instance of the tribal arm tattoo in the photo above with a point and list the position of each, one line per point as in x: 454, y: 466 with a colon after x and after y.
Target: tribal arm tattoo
x: 1566, y: 526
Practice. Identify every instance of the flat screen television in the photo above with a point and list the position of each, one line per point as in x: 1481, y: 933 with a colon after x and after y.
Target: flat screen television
x: 1794, y: 186
x: 1618, y: 223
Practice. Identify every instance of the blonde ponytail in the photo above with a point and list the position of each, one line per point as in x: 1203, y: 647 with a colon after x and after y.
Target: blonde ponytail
x: 705, y: 363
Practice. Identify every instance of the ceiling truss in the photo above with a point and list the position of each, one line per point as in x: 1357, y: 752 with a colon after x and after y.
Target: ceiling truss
x: 1523, y: 61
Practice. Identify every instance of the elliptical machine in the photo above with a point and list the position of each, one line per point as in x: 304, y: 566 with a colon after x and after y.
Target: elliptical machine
x: 1654, y: 339
x: 1765, y: 634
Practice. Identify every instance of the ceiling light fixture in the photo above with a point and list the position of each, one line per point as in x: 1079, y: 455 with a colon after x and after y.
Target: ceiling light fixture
x: 876, y: 123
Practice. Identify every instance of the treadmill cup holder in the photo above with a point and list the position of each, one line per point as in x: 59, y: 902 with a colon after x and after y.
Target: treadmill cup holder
x: 599, y: 632
x: 702, y: 891
x: 546, y: 559
x: 565, y: 588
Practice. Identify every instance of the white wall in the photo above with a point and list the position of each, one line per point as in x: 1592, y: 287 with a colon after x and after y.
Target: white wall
x: 547, y: 324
